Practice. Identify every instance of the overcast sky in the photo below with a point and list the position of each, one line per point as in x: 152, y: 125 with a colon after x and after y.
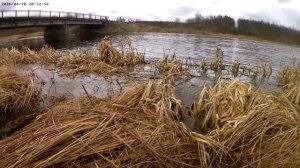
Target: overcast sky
x: 285, y: 12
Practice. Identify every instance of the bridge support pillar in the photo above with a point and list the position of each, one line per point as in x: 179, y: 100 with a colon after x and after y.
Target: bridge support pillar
x: 56, y: 34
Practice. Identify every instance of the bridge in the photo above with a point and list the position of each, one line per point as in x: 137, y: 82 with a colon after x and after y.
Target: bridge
x: 49, y: 23
x: 31, y: 18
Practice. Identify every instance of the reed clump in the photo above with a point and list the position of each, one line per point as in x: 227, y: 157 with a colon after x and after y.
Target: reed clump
x: 217, y: 64
x: 107, y: 61
x: 128, y: 56
x: 236, y: 67
x: 169, y: 66
x: 288, y: 75
x: 48, y: 55
x: 75, y: 133
x: 18, y: 100
x: 204, y: 65
x: 15, y: 56
x: 154, y: 96
x: 85, y: 62
x: 241, y: 126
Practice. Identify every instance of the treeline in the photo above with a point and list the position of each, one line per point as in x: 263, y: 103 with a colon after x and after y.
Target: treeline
x: 259, y: 29
x: 216, y: 24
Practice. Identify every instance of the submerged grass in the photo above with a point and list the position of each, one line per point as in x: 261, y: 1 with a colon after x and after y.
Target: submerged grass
x: 85, y: 63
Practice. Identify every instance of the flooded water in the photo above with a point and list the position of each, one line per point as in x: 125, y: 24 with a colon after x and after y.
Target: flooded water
x: 197, y: 47
x: 156, y: 45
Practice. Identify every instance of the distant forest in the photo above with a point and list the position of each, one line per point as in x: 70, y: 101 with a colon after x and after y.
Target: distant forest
x: 227, y: 25
x: 260, y: 29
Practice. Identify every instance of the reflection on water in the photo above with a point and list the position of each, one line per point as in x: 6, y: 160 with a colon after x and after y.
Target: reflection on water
x: 62, y: 42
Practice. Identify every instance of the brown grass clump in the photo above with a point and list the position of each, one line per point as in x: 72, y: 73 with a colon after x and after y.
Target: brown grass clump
x: 217, y: 64
x: 85, y: 63
x: 204, y: 65
x: 221, y: 101
x: 235, y: 67
x: 285, y: 75
x: 292, y: 93
x: 242, y: 127
x: 18, y: 100
x: 75, y: 134
x: 15, y: 56
x: 127, y: 57
x: 48, y: 55
x: 288, y: 75
x: 169, y: 66
x: 158, y: 96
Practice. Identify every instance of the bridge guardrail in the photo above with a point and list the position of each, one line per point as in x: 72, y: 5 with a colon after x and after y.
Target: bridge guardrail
x: 15, y: 14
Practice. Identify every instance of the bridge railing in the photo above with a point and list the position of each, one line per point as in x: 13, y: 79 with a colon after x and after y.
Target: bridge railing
x: 14, y: 14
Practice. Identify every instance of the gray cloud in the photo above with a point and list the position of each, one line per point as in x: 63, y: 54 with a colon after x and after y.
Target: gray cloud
x: 113, y: 12
x: 284, y: 1
x: 183, y: 11
x: 286, y: 17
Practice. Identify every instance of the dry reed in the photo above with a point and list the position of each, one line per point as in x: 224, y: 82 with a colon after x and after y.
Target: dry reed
x: 48, y: 55
x: 18, y: 100
x: 15, y: 56
x: 85, y: 63
x: 76, y: 134
x: 158, y: 96
x: 217, y: 64
x: 128, y: 56
x: 242, y: 127
x: 289, y: 75
x: 235, y: 67
x: 204, y: 65
x: 169, y: 66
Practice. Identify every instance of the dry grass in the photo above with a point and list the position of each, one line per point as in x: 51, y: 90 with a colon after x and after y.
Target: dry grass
x: 217, y: 64
x: 48, y: 55
x: 75, y: 134
x: 236, y: 67
x: 238, y: 127
x: 242, y: 127
x: 15, y: 56
x: 108, y: 61
x: 128, y: 56
x: 82, y: 62
x: 18, y: 99
x: 158, y: 96
x: 204, y: 65
x: 169, y: 66
x: 288, y: 75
